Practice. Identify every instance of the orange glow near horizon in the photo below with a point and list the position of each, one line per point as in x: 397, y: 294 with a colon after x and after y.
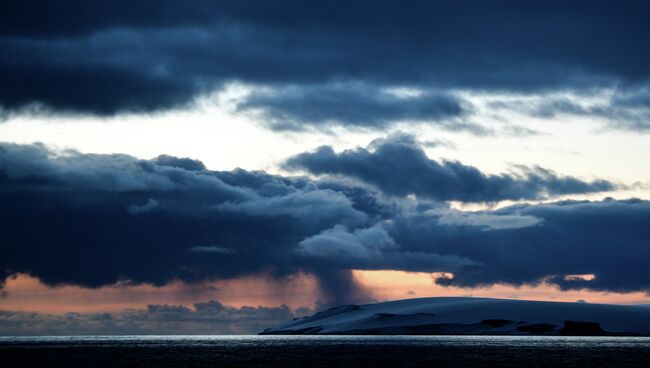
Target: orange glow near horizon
x: 26, y: 293
x: 389, y: 285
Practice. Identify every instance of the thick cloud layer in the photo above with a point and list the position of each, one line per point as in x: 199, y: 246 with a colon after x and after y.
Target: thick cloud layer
x: 102, y: 59
x: 93, y: 220
x: 608, y: 239
x: 354, y: 104
x: 205, y: 318
x: 399, y: 166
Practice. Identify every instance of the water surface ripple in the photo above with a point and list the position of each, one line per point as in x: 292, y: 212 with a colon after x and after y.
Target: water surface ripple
x: 324, y: 351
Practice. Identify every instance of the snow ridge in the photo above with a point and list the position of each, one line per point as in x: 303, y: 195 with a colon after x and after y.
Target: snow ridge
x: 473, y: 316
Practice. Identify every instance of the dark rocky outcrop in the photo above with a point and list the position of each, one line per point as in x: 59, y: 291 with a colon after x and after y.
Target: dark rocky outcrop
x: 496, y: 322
x: 578, y: 328
x: 538, y: 328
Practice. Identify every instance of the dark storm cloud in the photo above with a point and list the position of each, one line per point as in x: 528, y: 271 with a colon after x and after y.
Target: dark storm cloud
x: 103, y: 59
x: 399, y: 166
x: 608, y: 239
x: 205, y: 318
x: 67, y: 18
x: 339, y: 285
x: 518, y: 245
x: 92, y: 220
x: 354, y: 104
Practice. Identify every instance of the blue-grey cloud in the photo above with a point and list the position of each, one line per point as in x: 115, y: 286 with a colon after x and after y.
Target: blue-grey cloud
x: 294, y: 108
x: 627, y: 108
x: 371, y: 248
x: 159, y: 55
x: 397, y: 165
x: 93, y: 220
x: 606, y: 239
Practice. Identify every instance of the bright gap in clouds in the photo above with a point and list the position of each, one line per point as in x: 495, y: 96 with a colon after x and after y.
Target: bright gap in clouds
x: 206, y: 131
x: 212, y: 131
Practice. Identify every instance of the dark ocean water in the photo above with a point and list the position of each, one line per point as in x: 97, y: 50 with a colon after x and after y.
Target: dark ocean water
x: 324, y: 351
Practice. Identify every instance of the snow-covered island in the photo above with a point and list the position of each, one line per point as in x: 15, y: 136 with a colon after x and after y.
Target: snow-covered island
x: 471, y: 316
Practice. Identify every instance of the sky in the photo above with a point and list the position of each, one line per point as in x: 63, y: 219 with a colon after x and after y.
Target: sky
x: 218, y: 167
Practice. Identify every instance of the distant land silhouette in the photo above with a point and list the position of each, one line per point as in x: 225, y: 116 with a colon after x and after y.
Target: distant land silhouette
x: 472, y: 316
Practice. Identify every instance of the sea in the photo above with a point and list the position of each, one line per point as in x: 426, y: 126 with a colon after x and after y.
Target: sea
x: 324, y: 351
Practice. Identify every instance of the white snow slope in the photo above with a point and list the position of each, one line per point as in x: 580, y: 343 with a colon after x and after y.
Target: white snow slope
x: 450, y: 315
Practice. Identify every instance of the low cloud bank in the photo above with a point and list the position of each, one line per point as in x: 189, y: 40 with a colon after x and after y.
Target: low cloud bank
x: 93, y: 220
x: 209, y: 318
